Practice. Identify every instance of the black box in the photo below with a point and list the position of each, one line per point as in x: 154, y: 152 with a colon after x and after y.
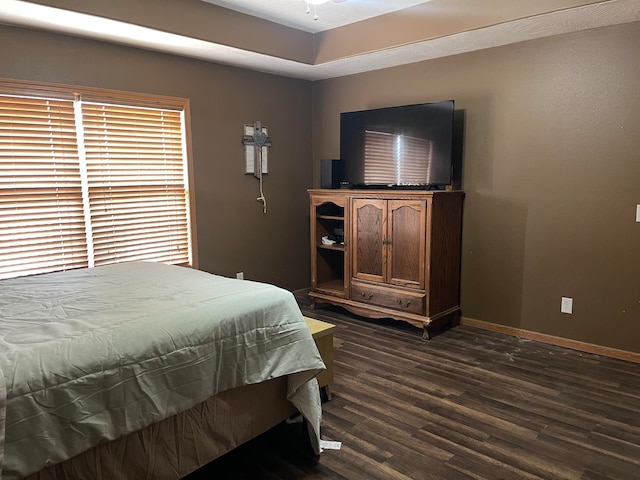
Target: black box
x: 331, y: 173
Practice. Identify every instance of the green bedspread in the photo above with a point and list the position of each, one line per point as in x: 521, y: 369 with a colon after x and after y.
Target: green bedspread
x: 90, y: 355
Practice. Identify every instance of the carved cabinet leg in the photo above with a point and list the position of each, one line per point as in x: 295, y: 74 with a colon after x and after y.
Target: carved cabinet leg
x: 425, y: 332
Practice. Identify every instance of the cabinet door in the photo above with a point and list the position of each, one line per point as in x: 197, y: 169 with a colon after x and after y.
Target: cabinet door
x: 406, y: 243
x: 368, y: 239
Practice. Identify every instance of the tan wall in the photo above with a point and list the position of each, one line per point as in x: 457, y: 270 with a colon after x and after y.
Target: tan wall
x: 551, y: 166
x: 233, y: 233
x: 551, y: 172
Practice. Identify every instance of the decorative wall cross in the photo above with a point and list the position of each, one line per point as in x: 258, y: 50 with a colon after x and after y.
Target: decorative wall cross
x: 256, y: 142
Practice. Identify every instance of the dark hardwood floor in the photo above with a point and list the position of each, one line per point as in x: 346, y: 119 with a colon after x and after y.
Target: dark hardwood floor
x: 468, y: 404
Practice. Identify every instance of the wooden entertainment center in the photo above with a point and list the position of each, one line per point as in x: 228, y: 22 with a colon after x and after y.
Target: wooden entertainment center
x: 400, y: 257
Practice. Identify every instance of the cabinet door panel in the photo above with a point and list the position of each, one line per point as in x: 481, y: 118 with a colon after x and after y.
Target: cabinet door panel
x: 406, y: 258
x: 369, y: 227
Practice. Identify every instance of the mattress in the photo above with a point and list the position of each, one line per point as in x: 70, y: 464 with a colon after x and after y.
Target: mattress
x: 91, y: 355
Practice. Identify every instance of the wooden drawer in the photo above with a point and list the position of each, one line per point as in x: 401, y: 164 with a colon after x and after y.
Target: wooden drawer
x: 390, y: 297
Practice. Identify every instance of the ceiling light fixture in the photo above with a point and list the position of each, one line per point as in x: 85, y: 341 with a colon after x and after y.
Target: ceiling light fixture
x: 315, y: 4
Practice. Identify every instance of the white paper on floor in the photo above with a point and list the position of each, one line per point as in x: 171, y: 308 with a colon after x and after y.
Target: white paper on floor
x: 325, y: 445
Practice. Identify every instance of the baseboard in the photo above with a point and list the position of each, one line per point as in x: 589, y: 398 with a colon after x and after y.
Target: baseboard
x: 553, y: 340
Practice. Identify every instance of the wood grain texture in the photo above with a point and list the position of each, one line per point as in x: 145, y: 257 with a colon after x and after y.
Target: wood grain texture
x: 554, y: 340
x: 469, y: 404
x: 404, y: 252
x: 406, y: 248
x: 369, y: 237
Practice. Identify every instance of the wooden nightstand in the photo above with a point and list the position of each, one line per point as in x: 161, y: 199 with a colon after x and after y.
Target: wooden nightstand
x: 322, y: 333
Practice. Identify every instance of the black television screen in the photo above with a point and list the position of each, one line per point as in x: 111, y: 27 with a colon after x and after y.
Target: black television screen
x: 409, y: 146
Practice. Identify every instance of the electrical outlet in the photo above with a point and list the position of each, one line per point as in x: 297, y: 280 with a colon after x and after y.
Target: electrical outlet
x: 567, y: 305
x: 240, y: 275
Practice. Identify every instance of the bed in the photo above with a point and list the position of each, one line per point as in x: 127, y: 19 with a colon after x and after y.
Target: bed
x: 146, y: 370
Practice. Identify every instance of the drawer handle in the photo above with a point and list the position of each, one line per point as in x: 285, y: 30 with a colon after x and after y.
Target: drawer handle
x: 404, y: 303
x: 368, y: 296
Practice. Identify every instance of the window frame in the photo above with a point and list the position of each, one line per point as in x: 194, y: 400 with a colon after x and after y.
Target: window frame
x: 27, y: 88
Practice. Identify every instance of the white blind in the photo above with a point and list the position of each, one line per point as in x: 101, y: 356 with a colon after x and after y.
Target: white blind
x: 41, y: 218
x: 137, y: 191
x: 85, y: 184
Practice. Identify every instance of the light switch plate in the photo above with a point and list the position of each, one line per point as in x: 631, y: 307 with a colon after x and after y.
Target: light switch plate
x: 637, y: 213
x: 567, y: 305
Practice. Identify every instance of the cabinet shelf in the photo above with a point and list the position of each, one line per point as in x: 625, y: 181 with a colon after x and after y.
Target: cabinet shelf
x: 337, y: 247
x: 329, y: 263
x: 330, y: 217
x: 336, y: 286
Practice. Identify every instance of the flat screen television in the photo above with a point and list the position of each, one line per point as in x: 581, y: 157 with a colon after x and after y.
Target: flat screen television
x: 408, y: 146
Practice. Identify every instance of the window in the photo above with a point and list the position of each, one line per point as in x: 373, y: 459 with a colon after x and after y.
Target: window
x: 91, y: 177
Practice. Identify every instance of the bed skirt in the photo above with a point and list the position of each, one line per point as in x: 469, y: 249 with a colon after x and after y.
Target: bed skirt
x: 178, y: 445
